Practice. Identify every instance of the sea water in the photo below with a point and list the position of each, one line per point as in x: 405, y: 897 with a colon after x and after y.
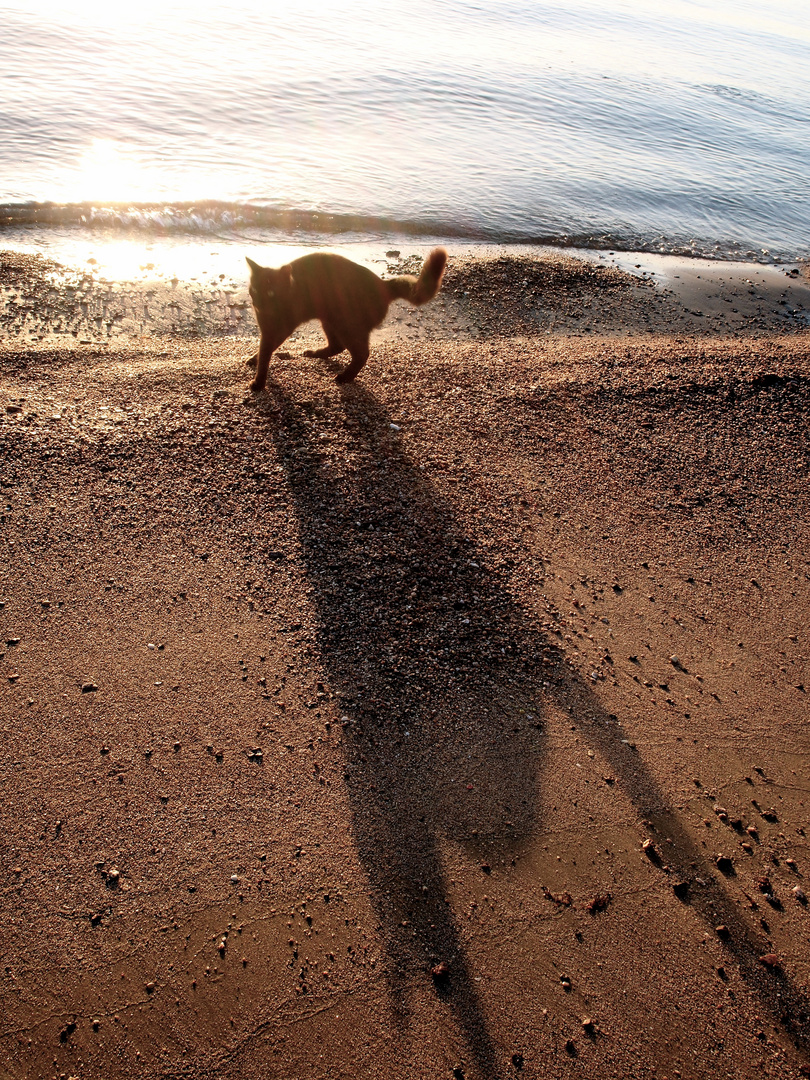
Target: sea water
x: 626, y: 124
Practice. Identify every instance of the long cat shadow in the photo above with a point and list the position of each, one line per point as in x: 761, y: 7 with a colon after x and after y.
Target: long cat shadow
x: 434, y: 671
x: 437, y: 669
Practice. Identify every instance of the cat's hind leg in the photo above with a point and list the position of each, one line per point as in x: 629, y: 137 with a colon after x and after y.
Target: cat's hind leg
x: 333, y: 345
x: 359, y: 353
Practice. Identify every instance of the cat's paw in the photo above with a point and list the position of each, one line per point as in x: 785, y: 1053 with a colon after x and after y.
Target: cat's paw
x: 343, y: 378
x: 252, y: 361
x: 256, y: 386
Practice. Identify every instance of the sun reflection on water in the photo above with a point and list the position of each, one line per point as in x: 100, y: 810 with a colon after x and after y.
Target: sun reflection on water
x: 109, y: 171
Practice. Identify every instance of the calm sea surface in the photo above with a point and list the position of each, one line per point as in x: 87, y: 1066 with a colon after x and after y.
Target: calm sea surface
x: 677, y: 127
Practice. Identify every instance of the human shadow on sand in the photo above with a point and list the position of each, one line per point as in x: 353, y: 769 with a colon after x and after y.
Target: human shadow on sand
x: 438, y: 671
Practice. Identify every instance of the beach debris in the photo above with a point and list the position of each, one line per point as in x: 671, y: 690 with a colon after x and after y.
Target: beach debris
x: 563, y: 899
x: 800, y: 894
x: 652, y: 852
x: 770, y: 960
x: 600, y: 902
x: 722, y: 932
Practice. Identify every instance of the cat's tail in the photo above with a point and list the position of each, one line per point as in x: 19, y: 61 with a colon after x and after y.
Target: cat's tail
x: 420, y: 290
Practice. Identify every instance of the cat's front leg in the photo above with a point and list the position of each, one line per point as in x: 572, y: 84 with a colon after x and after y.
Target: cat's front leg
x: 267, y: 346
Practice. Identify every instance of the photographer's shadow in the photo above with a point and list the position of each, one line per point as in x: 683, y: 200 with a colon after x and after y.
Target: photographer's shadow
x: 433, y: 666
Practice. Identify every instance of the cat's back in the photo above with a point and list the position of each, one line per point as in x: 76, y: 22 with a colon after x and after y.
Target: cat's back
x: 327, y: 279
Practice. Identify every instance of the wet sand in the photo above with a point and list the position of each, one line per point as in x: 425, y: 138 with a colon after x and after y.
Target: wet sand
x: 452, y: 723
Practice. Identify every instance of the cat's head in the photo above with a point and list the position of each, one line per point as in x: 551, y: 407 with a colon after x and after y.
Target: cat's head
x: 269, y: 287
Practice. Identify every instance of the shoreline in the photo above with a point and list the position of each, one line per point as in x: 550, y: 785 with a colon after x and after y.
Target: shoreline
x: 543, y: 290
x: 449, y: 723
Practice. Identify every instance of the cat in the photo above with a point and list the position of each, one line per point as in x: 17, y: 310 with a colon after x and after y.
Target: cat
x: 349, y: 300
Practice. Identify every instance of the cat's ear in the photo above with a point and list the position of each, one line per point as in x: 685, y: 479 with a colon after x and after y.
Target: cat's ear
x: 254, y: 267
x: 285, y: 272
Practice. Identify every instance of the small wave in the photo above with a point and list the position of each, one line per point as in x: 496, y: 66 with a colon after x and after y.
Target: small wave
x: 272, y: 224
x: 215, y: 217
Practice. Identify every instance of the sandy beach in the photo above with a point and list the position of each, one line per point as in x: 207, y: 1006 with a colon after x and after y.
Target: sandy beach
x: 449, y: 724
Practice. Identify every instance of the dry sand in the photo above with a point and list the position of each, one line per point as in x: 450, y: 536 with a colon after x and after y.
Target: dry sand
x: 450, y: 724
